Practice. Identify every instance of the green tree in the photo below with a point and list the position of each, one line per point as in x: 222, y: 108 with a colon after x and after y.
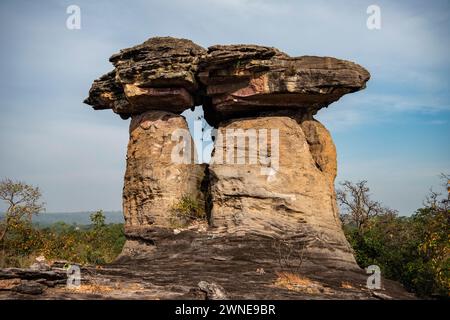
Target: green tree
x: 23, y: 202
x: 412, y: 250
x: 98, y: 219
x: 432, y: 224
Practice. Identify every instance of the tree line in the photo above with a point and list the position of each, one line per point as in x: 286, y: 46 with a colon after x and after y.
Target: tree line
x: 413, y: 250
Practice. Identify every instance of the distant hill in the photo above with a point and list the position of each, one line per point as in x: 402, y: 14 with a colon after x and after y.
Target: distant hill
x: 79, y: 218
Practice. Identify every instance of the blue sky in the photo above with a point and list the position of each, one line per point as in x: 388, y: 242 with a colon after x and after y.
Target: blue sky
x: 393, y: 134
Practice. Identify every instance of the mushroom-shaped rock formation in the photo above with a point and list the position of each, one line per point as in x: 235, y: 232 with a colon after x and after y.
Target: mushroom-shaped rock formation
x: 153, y: 83
x: 273, y: 166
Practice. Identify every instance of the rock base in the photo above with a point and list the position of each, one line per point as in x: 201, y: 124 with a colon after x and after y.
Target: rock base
x: 248, y: 267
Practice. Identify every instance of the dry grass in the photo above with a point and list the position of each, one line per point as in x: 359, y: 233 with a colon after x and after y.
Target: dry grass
x: 8, y: 284
x: 92, y: 288
x: 295, y: 282
x: 97, y: 288
x: 347, y: 285
x: 291, y: 279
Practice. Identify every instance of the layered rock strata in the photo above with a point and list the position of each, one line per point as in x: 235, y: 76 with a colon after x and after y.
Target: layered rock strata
x: 160, y: 169
x: 246, y: 80
x: 159, y: 74
x: 277, y: 182
x: 283, y: 193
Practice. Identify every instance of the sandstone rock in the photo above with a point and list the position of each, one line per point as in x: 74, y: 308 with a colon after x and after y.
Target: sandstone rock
x: 245, y: 87
x: 9, y: 284
x: 40, y: 264
x: 381, y: 295
x: 247, y: 80
x: 256, y: 204
x: 235, y: 80
x: 213, y: 290
x: 292, y: 198
x: 29, y: 287
x: 159, y: 62
x: 30, y: 274
x: 159, y: 74
x: 106, y: 93
x: 135, y: 247
x: 321, y: 146
x: 175, y: 266
x: 154, y: 179
x: 172, y: 99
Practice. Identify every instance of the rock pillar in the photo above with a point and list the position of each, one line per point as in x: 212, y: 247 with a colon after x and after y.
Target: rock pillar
x: 160, y: 169
x: 282, y: 190
x: 274, y: 165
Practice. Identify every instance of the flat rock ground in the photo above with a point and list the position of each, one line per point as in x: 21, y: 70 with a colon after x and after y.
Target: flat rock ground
x: 247, y: 267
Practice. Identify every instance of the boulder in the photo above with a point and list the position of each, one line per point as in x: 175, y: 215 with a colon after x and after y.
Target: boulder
x: 40, y: 264
x: 159, y: 74
x: 159, y: 62
x: 29, y: 287
x: 212, y: 290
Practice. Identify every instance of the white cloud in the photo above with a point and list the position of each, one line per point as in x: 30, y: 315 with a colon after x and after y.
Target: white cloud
x: 77, y: 155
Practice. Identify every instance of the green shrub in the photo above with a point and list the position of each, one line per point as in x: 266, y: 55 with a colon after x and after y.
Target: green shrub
x: 412, y: 250
x: 187, y: 210
x: 98, y: 243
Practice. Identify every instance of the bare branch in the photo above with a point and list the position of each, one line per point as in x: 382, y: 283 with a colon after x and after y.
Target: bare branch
x: 357, y: 207
x: 23, y: 201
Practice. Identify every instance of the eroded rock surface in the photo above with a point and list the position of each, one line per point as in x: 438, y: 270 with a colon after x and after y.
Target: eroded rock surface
x: 321, y: 146
x: 159, y: 74
x: 247, y: 80
x: 158, y: 172
x: 288, y: 194
x: 165, y: 73
x: 275, y: 197
x: 176, y: 266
